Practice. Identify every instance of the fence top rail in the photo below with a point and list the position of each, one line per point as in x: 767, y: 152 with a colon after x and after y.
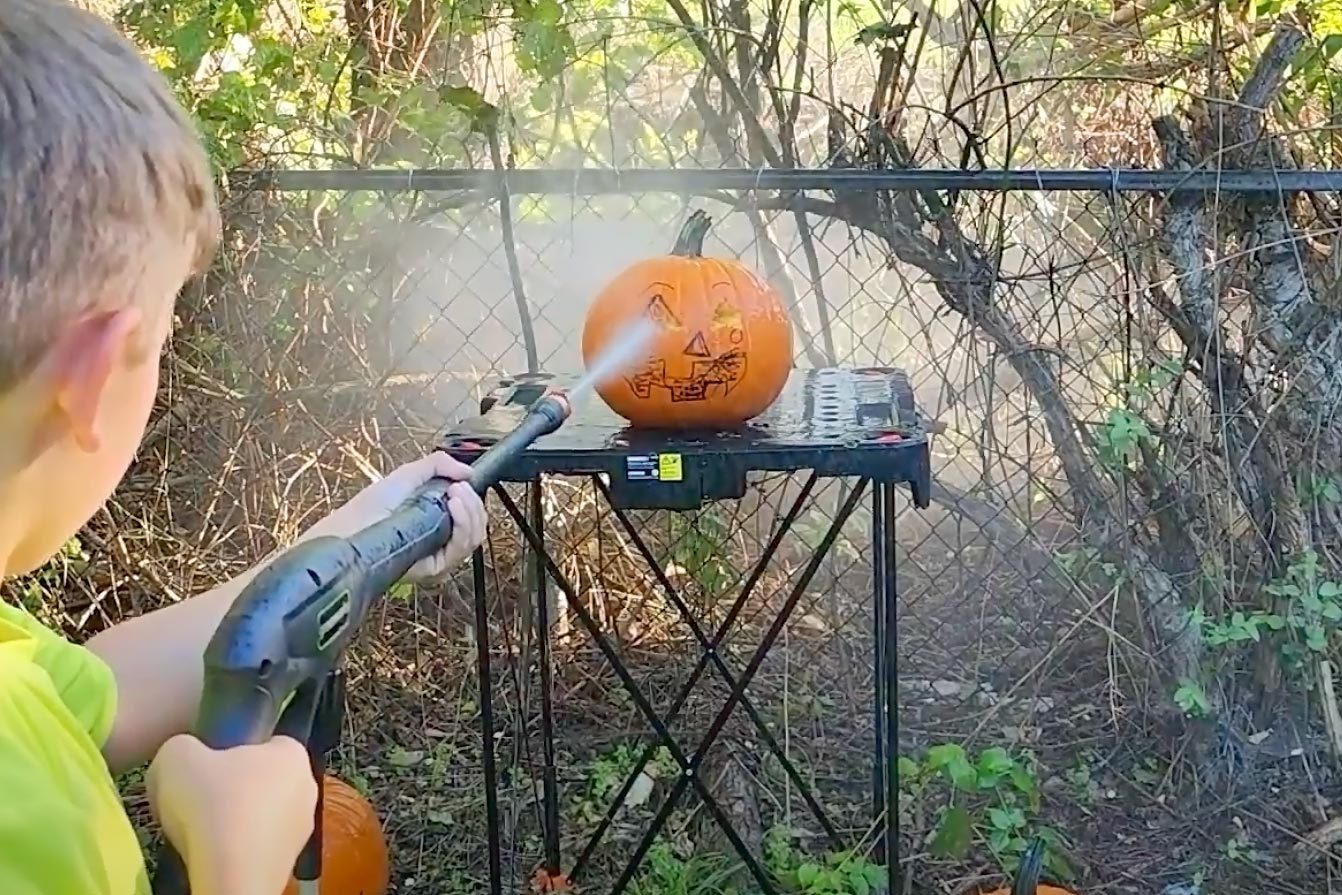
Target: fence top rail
x: 597, y: 181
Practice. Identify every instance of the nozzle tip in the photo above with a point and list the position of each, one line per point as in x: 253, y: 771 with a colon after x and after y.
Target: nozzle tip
x: 560, y: 397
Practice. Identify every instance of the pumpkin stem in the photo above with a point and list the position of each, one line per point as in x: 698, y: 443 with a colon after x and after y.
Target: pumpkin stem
x: 1030, y: 869
x: 690, y: 242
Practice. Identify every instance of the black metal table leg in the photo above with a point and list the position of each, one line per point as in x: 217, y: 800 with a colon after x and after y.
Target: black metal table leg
x: 550, y: 778
x: 879, y: 762
x: 889, y: 598
x: 709, y: 646
x: 710, y: 654
x: 487, y: 723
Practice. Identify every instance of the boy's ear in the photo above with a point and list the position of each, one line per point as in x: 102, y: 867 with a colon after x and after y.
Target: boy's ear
x: 80, y: 364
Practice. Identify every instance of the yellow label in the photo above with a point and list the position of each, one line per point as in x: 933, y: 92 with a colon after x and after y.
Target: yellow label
x: 668, y: 468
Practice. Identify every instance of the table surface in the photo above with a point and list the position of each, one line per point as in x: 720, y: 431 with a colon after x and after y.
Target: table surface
x: 836, y: 421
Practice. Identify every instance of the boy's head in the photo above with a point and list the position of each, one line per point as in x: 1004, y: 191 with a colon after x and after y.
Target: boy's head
x: 106, y: 209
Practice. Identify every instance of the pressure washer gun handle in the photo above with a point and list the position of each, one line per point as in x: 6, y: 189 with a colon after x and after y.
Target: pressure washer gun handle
x: 1030, y: 869
x: 246, y: 725
x: 240, y: 706
x: 322, y: 740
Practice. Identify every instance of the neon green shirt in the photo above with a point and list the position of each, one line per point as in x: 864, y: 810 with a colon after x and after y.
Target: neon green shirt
x: 63, y: 830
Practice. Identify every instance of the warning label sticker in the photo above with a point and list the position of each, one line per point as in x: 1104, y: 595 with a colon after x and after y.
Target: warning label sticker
x: 654, y: 467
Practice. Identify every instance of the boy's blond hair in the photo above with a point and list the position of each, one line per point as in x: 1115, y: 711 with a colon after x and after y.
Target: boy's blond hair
x: 100, y: 172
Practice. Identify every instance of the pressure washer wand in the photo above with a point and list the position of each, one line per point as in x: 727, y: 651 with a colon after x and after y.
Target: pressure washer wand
x: 267, y: 662
x: 423, y: 526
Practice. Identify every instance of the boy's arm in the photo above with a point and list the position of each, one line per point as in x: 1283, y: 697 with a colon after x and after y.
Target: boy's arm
x: 156, y: 658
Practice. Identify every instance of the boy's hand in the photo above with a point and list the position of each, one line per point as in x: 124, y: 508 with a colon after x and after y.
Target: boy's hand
x: 238, y: 817
x: 380, y: 499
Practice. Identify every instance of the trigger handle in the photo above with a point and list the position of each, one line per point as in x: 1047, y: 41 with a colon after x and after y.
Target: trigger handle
x: 170, y: 874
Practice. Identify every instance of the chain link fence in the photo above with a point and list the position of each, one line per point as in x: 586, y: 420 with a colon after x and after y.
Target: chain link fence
x: 346, y: 328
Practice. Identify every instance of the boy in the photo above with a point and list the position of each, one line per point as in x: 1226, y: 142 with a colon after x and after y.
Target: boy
x: 106, y: 209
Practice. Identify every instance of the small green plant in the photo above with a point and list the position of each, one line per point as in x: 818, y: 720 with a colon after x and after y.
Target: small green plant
x: 1240, y: 848
x: 698, y: 546
x: 1120, y: 439
x: 1192, y: 699
x: 1082, y: 780
x: 988, y: 798
x: 837, y: 873
x: 609, y: 772
x: 1321, y: 488
x: 667, y: 873
x: 1313, y: 604
x: 1308, y: 607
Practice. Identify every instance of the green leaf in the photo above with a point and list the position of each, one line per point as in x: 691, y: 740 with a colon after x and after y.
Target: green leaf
x: 482, y: 115
x: 943, y: 754
x: 1191, y: 698
x: 1024, y: 782
x: 807, y: 874
x: 543, y: 97
x: 544, y: 44
x: 906, y: 768
x: 404, y: 758
x: 954, y: 834
x: 951, y: 761
x: 1330, y: 590
x: 1197, y: 617
x: 1006, y: 818
x: 995, y: 760
x: 882, y: 32
x: 1058, y: 866
x: 1315, y: 638
x: 191, y: 42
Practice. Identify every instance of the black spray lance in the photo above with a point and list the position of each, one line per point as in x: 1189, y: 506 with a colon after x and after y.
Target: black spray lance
x: 284, y: 636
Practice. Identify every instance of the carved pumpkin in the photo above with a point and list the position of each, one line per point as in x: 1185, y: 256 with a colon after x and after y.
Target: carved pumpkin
x: 354, y: 850
x: 1027, y: 875
x: 723, y: 349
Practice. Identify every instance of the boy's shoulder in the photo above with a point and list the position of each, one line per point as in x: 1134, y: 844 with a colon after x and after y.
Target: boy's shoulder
x: 62, y: 825
x: 82, y: 682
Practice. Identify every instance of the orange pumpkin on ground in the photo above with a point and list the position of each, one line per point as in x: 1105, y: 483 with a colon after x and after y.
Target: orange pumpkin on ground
x: 723, y: 350
x: 355, y: 860
x: 1026, y: 881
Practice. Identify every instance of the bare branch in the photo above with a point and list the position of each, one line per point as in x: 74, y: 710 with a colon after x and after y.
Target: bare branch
x: 754, y: 130
x: 1264, y: 82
